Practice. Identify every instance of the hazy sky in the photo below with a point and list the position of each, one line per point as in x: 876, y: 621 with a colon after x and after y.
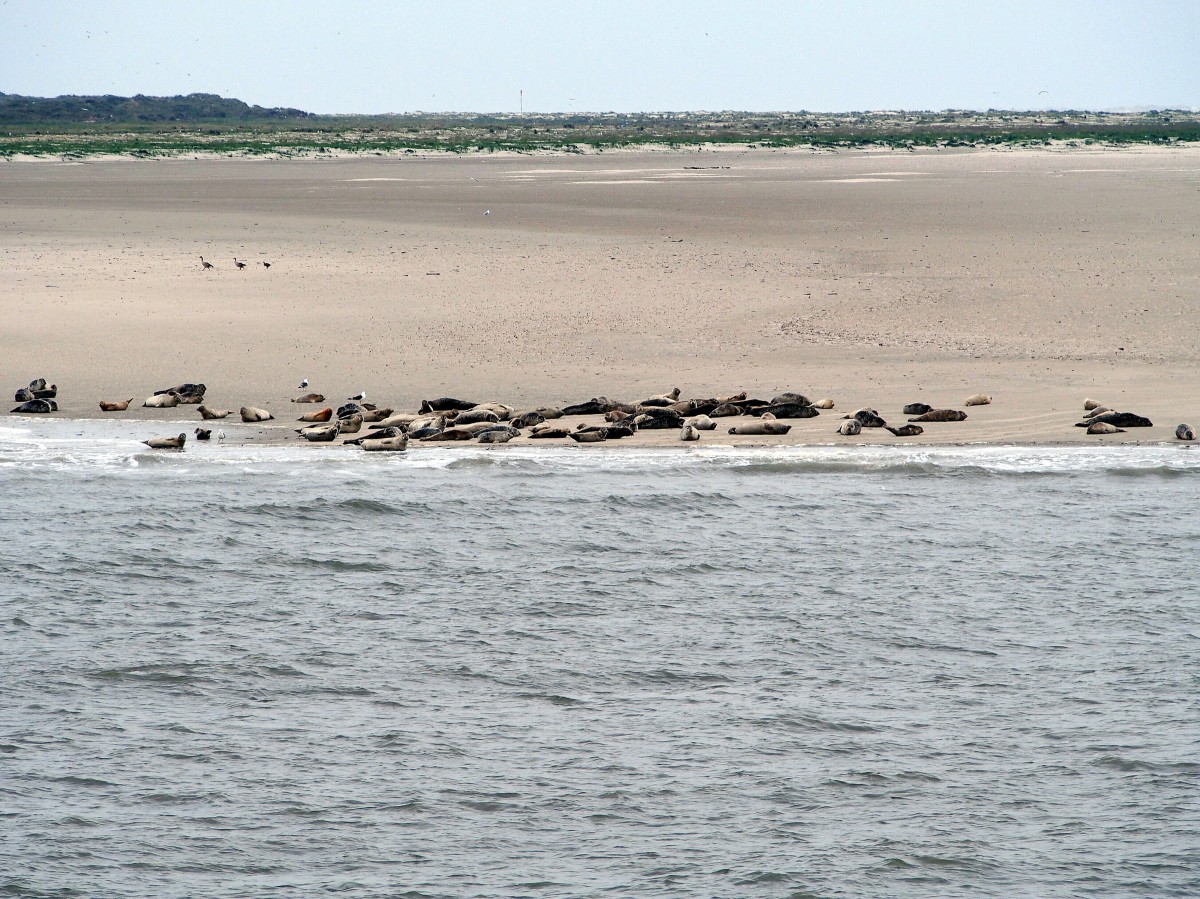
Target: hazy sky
x: 622, y: 55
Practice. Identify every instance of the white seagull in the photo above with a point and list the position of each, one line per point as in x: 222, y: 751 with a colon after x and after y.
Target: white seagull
x: 362, y: 395
x: 487, y: 212
x: 303, y: 384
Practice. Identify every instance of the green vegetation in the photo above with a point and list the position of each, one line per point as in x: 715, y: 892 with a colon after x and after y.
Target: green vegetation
x: 205, y: 123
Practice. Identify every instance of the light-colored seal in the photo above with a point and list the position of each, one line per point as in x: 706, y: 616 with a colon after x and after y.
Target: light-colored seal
x: 701, y: 423
x: 324, y: 415
x: 977, y: 399
x: 251, y: 414
x: 397, y: 444
x: 374, y: 416
x: 474, y: 416
x: 905, y: 430
x: 761, y: 427
x: 1097, y: 411
x: 823, y: 404
x: 166, y: 442
x: 310, y: 398
x: 850, y: 428
x: 941, y: 415
x: 1088, y: 405
x: 543, y: 432
x: 161, y: 401
x: 208, y: 414
x: 598, y: 435
x: 1185, y: 432
x: 1103, y: 427
x: 497, y: 436
x: 115, y: 406
x: 351, y: 425
x: 322, y: 434
x: 662, y: 399
x: 689, y: 432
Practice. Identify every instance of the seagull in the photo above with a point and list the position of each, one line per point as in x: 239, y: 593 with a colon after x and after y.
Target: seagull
x: 220, y: 435
x: 207, y: 265
x: 303, y: 384
x: 240, y: 265
x: 362, y: 395
x: 487, y: 212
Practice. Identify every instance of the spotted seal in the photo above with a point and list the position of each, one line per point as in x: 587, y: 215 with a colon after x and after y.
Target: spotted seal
x: 251, y: 414
x: 763, y: 426
x: 161, y: 401
x: 322, y: 416
x: 978, y: 399
x: 115, y: 405
x: 941, y: 415
x: 905, y: 430
x: 850, y: 428
x: 1185, y: 432
x: 209, y: 414
x: 310, y: 398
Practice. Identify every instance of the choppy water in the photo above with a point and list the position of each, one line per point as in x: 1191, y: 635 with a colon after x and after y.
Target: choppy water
x: 587, y: 672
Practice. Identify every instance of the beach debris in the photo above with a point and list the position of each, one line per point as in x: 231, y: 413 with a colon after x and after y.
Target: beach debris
x: 166, y: 442
x: 1185, y: 432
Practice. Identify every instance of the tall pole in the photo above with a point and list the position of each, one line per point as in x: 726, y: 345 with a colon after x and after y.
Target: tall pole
x: 522, y: 101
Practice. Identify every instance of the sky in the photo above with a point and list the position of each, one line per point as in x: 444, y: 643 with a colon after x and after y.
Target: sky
x: 355, y: 56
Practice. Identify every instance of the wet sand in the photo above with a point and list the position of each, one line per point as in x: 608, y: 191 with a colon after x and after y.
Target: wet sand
x: 873, y: 278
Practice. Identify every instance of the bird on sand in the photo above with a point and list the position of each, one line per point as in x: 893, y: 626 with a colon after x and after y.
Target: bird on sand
x: 487, y: 212
x: 266, y: 265
x: 362, y: 395
x: 206, y: 265
x: 303, y: 384
x: 240, y: 265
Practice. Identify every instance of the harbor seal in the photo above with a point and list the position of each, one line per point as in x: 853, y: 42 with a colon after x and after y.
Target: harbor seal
x: 548, y: 433
x: 379, y: 434
x: 1103, y: 427
x: 445, y: 404
x: 183, y: 390
x: 1185, y: 432
x: 726, y: 410
x: 762, y: 426
x: 662, y: 399
x: 1099, y: 410
x: 549, y: 412
x: 161, y: 401
x: 166, y: 442
x: 732, y: 398
x: 592, y: 435
x: 689, y: 432
x: 37, y: 407
x: 351, y: 425
x: 310, y: 398
x: 209, y: 414
x: 868, y: 418
x: 792, y: 410
x: 916, y: 408
x: 1089, y: 405
x: 941, y: 415
x: 597, y: 405
x: 203, y: 433
x: 701, y: 423
x: 323, y: 434
x: 621, y: 429
x: 23, y: 395
x: 251, y: 414
x: 977, y: 399
x: 115, y: 406
x: 46, y: 393
x: 790, y: 399
x: 376, y: 415
x: 472, y: 416
x: 1118, y: 419
x: 905, y: 430
x: 850, y: 428
x: 324, y: 415
x: 497, y: 435
x: 823, y: 404
x: 397, y: 443
x: 658, y: 418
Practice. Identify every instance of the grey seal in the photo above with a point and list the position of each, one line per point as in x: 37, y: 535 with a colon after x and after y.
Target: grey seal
x: 792, y: 410
x: 1185, y: 432
x: 868, y: 418
x: 905, y: 430
x: 916, y: 408
x: 1118, y: 419
x: 941, y: 415
x: 166, y: 442
x: 445, y: 404
x: 548, y: 433
x: 790, y: 398
x: 310, y: 398
x: 594, y: 435
x: 850, y: 428
x: 37, y: 407
x: 1103, y: 427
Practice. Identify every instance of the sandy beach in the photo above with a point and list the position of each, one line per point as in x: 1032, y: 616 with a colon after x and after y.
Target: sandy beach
x: 876, y: 279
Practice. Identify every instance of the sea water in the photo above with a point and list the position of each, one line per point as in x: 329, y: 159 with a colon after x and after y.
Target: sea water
x: 581, y: 671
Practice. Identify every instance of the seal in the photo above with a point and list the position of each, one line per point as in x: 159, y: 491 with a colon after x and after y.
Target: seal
x: 397, y: 420
x: 446, y: 404
x: 941, y: 415
x: 252, y: 414
x: 868, y: 418
x: 690, y: 432
x: 115, y: 406
x: 592, y: 435
x: 46, y: 393
x: 203, y: 433
x: 351, y: 425
x: 324, y: 415
x: 823, y: 404
x: 621, y: 429
x: 850, y: 428
x: 497, y: 435
x: 502, y: 412
x: 543, y: 432
x: 701, y: 423
x: 916, y: 408
x: 1185, y: 432
x: 184, y: 390
x: 977, y: 399
x: 658, y: 417
x: 472, y: 416
x: 791, y: 399
x: 347, y: 409
x: 732, y: 398
x: 597, y: 405
x: 726, y: 410
x: 792, y: 410
x: 1118, y: 419
x: 1098, y: 410
x: 1088, y: 405
x: 905, y: 430
x: 161, y: 401
x: 166, y: 442
x: 37, y: 384
x: 310, y: 398
x: 322, y: 433
x: 23, y: 395
x: 761, y: 427
x: 374, y: 416
x: 37, y: 407
x: 1103, y: 427
x: 208, y: 414
x: 397, y: 443
x: 378, y: 434
x: 662, y: 399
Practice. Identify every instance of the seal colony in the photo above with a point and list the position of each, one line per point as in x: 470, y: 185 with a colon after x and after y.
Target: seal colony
x: 449, y: 419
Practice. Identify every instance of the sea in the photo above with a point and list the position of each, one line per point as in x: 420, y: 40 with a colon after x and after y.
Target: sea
x: 295, y: 671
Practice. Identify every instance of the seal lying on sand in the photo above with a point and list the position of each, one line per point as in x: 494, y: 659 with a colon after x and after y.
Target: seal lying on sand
x: 1185, y: 432
x: 166, y: 442
x: 977, y: 399
x: 395, y: 444
x: 1103, y: 427
x: 792, y: 410
x: 1119, y: 419
x: 941, y: 415
x: 111, y: 406
x: 763, y: 426
x: 208, y: 414
x: 790, y: 398
x: 663, y: 399
x: 597, y: 405
x: 251, y: 414
x: 310, y: 398
x: 1088, y: 405
x: 203, y: 434
x: 823, y: 404
x: 597, y: 435
x: 689, y: 432
x: 868, y: 418
x: 323, y: 434
x: 547, y: 433
x: 445, y: 404
x: 324, y: 415
x: 380, y: 434
x: 916, y: 408
x: 701, y: 423
x: 37, y: 406
x: 497, y: 435
x: 851, y: 428
x: 161, y: 401
x: 905, y: 430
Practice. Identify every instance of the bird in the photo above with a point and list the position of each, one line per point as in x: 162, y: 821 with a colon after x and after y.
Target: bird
x: 487, y: 212
x: 207, y: 265
x: 220, y: 435
x: 303, y: 384
x: 362, y: 395
x: 240, y: 265
x: 266, y: 265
